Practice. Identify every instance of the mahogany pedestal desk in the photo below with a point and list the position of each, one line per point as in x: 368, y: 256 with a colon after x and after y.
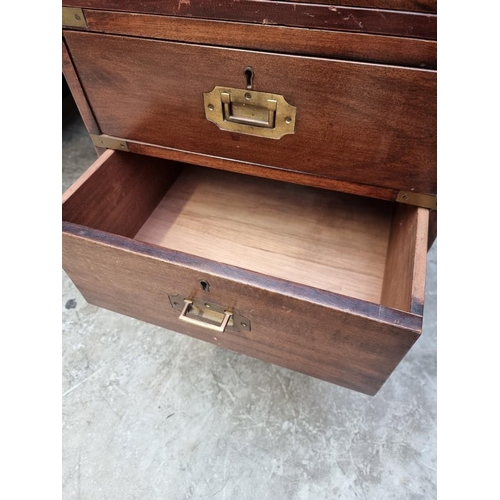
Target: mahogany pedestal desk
x: 266, y: 178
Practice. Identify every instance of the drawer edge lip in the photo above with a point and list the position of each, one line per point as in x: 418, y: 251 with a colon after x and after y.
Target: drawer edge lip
x: 385, y: 66
x: 405, y: 321
x: 417, y: 53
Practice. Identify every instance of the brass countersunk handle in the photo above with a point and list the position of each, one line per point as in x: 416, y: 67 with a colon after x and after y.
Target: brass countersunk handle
x: 207, y: 314
x: 216, y: 328
x: 250, y: 112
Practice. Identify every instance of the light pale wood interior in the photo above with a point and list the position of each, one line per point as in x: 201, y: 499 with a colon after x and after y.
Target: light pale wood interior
x: 328, y: 240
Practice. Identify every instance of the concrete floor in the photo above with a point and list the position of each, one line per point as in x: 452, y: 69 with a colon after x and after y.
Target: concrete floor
x: 152, y: 414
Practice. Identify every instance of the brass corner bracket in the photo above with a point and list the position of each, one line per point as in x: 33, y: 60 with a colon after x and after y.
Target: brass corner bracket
x: 418, y: 199
x: 73, y: 18
x: 108, y: 142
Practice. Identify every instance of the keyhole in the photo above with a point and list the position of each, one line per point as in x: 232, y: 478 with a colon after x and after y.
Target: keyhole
x: 248, y: 74
x: 205, y: 286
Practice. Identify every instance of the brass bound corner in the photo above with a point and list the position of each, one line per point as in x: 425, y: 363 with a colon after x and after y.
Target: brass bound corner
x: 73, y: 18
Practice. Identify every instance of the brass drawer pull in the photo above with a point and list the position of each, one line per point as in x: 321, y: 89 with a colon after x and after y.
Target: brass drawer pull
x: 188, y: 304
x: 209, y: 314
x: 250, y: 112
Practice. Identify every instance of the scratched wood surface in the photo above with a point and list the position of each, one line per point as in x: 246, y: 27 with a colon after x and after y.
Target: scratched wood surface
x: 410, y: 5
x: 307, y: 15
x: 285, y: 39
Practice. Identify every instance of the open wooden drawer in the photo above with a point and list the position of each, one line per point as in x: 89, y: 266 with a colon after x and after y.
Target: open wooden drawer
x: 321, y: 282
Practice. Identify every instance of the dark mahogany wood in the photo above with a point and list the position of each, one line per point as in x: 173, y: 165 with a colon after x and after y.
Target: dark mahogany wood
x: 362, y: 128
x: 340, y: 45
x: 263, y: 171
x: 334, y: 338
x: 77, y: 92
x: 332, y: 17
x: 79, y: 95
x: 343, y: 340
x: 121, y: 196
x: 357, y: 123
x: 432, y: 228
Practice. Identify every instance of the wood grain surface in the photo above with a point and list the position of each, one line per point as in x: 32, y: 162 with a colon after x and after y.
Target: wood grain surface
x: 335, y: 44
x: 77, y: 92
x: 119, y: 192
x: 420, y: 261
x: 429, y: 6
x: 333, y: 284
x: 323, y: 239
x: 334, y: 337
x: 322, y: 16
x: 409, y: 5
x: 258, y: 170
x: 404, y: 281
x: 433, y: 222
x: 358, y: 123
x: 341, y: 340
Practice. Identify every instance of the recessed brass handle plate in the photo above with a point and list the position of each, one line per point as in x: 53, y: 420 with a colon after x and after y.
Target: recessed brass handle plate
x: 188, y: 304
x: 209, y: 315
x: 249, y: 112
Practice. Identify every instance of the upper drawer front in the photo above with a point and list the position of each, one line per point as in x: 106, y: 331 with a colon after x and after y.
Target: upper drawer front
x: 361, y: 123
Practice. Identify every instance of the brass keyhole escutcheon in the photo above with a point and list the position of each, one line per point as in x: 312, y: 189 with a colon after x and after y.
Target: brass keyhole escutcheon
x: 248, y: 73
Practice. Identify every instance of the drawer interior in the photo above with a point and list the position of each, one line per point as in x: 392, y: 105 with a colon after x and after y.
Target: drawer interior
x: 359, y: 247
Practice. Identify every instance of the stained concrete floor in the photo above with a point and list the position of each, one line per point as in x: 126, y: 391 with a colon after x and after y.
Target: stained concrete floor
x: 151, y: 414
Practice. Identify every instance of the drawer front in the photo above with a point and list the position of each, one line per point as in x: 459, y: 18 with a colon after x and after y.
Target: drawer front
x: 361, y: 123
x: 314, y: 332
